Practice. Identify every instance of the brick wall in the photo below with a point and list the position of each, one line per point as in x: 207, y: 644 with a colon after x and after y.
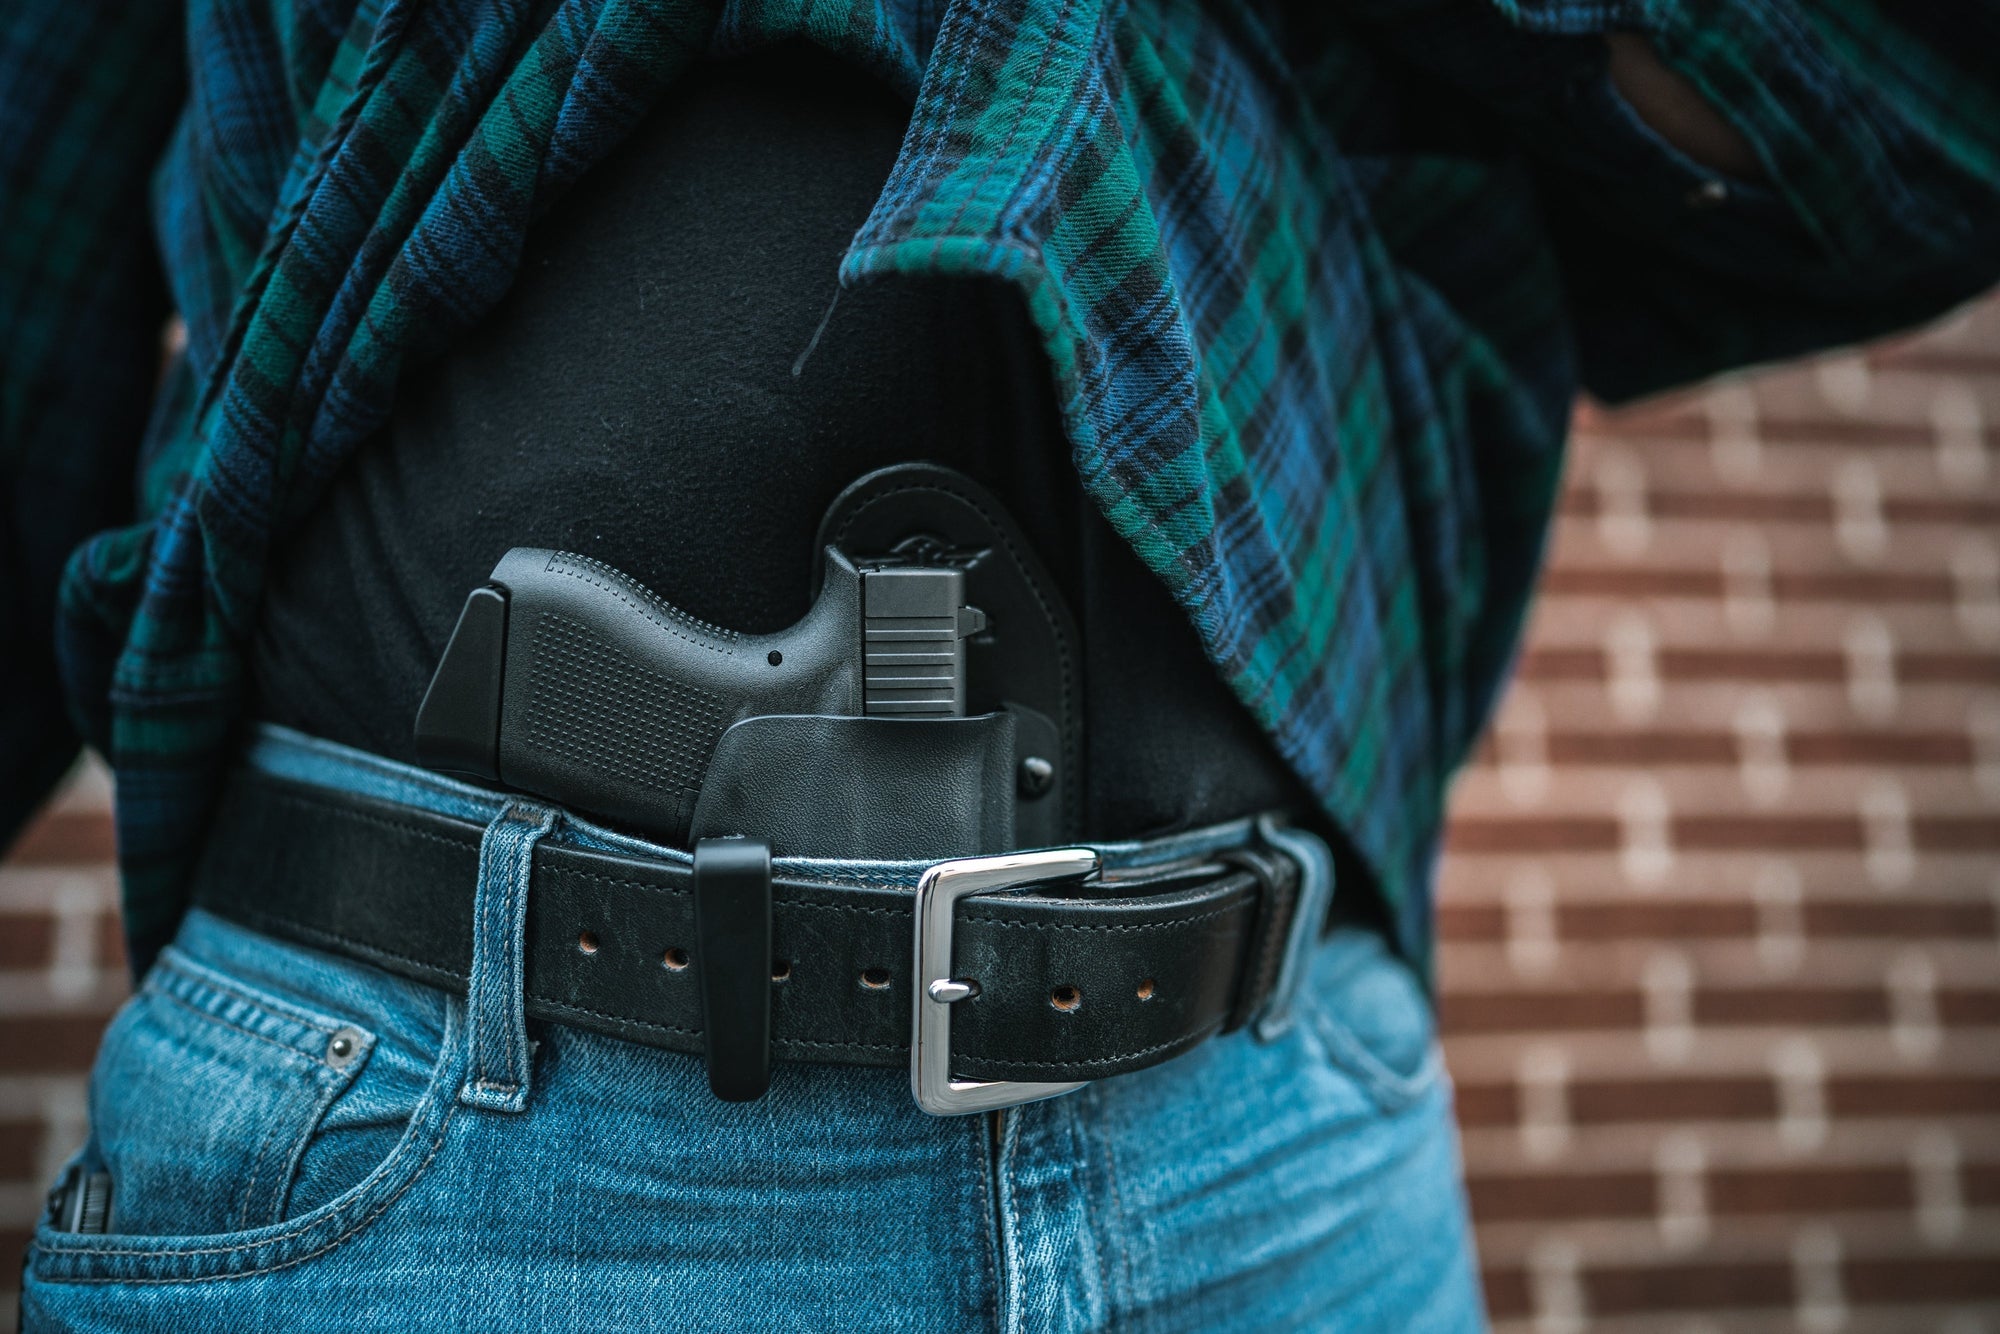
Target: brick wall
x: 62, y: 973
x: 1721, y: 914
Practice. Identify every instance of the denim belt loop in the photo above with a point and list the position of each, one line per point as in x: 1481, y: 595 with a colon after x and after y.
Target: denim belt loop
x: 496, y: 1022
x: 1315, y: 861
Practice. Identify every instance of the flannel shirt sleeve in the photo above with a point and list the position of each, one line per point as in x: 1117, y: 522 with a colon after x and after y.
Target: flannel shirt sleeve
x: 1876, y: 123
x: 1878, y: 128
x: 88, y: 92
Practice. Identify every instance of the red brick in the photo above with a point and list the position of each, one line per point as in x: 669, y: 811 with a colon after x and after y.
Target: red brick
x: 1527, y: 1012
x: 25, y: 939
x: 1507, y: 1292
x: 1532, y: 1197
x: 20, y: 1150
x: 1692, y: 1097
x: 1578, y: 833
x: 13, y: 1245
x: 49, y: 1044
x: 111, y: 942
x: 1767, y: 833
x: 1938, y: 833
x: 1713, y: 1285
x: 1964, y: 1007
x: 1638, y: 749
x: 1808, y: 1190
x: 1899, y: 748
x: 1470, y: 921
x: 1487, y: 1104
x: 1695, y: 919
x: 65, y: 838
x: 1802, y: 1006
x: 1901, y: 920
x: 1937, y: 1278
x: 1914, y: 1095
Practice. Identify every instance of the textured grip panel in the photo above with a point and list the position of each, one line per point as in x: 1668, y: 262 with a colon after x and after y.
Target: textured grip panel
x: 592, y: 704
x: 638, y: 597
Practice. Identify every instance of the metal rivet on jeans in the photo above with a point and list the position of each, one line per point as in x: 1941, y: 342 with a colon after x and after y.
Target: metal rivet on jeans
x: 343, y: 1047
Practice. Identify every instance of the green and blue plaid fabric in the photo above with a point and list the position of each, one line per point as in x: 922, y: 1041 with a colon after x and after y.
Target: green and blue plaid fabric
x: 1317, y: 284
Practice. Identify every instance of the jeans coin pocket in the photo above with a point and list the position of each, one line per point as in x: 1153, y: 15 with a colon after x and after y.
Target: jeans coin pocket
x: 256, y: 1105
x: 1372, y: 1017
x: 206, y: 1096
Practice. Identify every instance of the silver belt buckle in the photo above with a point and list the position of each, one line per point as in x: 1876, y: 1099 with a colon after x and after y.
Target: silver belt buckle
x: 936, y: 990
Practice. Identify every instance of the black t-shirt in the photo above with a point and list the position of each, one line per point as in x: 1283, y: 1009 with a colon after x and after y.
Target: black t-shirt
x: 658, y: 392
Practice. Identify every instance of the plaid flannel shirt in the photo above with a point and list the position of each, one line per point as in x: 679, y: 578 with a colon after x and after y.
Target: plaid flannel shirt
x: 1317, y: 284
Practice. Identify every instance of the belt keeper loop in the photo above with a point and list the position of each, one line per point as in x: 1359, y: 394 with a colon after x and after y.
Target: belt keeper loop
x: 732, y: 916
x: 1264, y: 951
x: 1309, y: 853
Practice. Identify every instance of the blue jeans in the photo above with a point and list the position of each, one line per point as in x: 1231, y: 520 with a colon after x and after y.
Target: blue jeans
x: 299, y: 1142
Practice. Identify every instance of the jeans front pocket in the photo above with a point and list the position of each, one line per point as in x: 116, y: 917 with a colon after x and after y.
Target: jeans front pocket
x: 1371, y: 1015
x: 255, y: 1105
x: 205, y: 1096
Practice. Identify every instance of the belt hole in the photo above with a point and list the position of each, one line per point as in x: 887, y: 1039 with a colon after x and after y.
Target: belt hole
x: 586, y: 942
x: 675, y: 959
x: 1145, y: 988
x: 1066, y: 998
x: 781, y: 970
x: 875, y: 978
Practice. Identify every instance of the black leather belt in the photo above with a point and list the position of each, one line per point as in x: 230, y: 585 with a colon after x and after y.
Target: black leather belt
x: 1064, y: 982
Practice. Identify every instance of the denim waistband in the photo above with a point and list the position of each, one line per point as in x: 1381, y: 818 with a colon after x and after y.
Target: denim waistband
x: 296, y: 757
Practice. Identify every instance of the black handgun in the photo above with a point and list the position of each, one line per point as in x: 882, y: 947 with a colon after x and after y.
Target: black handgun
x: 567, y: 679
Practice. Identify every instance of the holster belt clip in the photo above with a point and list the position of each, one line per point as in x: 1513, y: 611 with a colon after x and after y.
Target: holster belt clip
x: 732, y: 914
